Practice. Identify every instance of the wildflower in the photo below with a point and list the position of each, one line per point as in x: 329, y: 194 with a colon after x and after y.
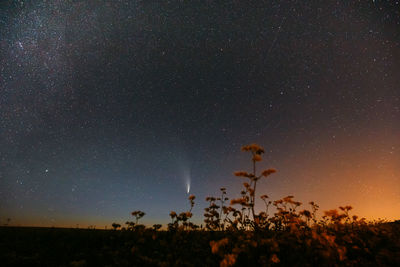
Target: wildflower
x: 157, y: 226
x: 288, y: 199
x: 173, y: 214
x: 225, y: 210
x: 329, y: 238
x: 342, y: 253
x: 346, y: 208
x: 241, y: 201
x: 275, y: 258
x: 257, y: 157
x: 246, y: 185
x: 305, y: 213
x: 264, y: 197
x: 243, y: 174
x: 231, y: 209
x: 134, y: 213
x: 116, y: 226
x: 268, y: 172
x: 216, y: 245
x: 192, y: 197
x: 138, y: 214
x: 251, y: 191
x: 229, y: 260
x: 210, y: 198
x: 262, y: 214
x: 214, y: 206
x: 297, y: 203
x: 240, y: 173
x: 245, y: 148
x: 332, y: 213
x: 253, y: 148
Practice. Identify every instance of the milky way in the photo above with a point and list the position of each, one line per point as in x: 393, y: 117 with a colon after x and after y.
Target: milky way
x: 111, y: 106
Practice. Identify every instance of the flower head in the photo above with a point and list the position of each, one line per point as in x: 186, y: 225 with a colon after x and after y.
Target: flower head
x: 268, y: 172
x: 257, y: 157
x: 305, y: 213
x: 275, y: 258
x: 241, y: 201
x: 253, y: 148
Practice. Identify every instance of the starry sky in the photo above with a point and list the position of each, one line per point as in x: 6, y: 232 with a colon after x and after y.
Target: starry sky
x: 107, y: 107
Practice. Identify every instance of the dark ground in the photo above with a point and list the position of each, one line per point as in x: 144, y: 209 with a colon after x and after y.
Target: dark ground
x: 34, y: 246
x: 368, y: 245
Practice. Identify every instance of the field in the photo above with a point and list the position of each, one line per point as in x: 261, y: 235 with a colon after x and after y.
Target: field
x: 26, y: 246
x: 366, y: 245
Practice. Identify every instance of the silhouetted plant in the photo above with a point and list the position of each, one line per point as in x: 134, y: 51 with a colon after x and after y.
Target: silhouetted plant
x: 174, y: 223
x: 248, y: 199
x: 212, y: 216
x: 183, y: 218
x: 138, y: 215
x: 223, y: 208
x: 115, y: 226
x: 130, y: 225
x: 157, y: 226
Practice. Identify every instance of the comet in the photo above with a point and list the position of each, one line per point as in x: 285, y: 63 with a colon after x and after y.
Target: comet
x: 188, y: 187
x: 183, y: 166
x: 187, y: 180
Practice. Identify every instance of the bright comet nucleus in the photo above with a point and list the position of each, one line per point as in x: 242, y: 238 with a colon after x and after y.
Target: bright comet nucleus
x: 188, y: 186
x: 186, y: 177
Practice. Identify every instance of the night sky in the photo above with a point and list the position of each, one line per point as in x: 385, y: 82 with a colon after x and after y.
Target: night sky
x: 107, y: 107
